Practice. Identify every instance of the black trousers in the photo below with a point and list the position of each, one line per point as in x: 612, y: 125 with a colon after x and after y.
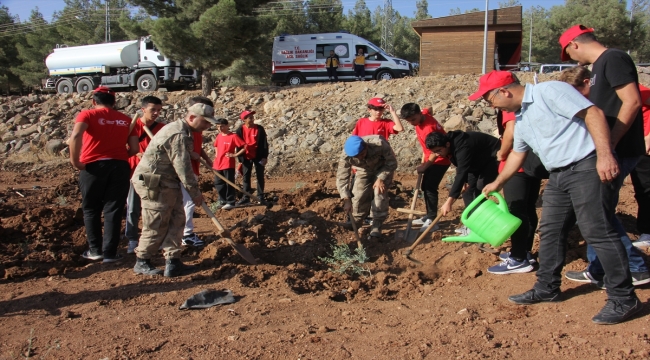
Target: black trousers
x: 521, y: 193
x: 359, y: 71
x: 430, y: 182
x: 104, y: 187
x: 641, y: 182
x: 226, y: 192
x: 247, y: 169
x: 331, y: 73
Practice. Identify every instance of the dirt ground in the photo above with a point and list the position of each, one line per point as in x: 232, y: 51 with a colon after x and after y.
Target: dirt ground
x: 56, y: 305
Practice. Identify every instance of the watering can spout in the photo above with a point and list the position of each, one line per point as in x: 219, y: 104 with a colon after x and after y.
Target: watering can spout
x: 471, y: 238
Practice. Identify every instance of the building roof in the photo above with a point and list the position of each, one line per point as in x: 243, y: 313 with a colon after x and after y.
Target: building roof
x: 504, y: 16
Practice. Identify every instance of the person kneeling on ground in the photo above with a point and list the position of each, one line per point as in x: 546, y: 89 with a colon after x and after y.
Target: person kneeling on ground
x: 163, y: 169
x: 375, y: 163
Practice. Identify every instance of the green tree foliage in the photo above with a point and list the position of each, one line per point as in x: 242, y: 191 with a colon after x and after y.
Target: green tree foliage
x: 422, y: 11
x: 324, y: 16
x: 508, y: 3
x: 458, y: 11
x: 11, y: 33
x: 33, y: 48
x: 83, y: 22
x: 359, y: 22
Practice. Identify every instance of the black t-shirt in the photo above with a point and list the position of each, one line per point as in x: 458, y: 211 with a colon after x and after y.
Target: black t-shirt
x: 471, y: 152
x: 614, y: 68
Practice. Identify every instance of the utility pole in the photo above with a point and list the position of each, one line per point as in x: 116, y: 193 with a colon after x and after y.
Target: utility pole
x: 530, y: 38
x: 485, y: 35
x: 387, y: 27
x: 107, y: 27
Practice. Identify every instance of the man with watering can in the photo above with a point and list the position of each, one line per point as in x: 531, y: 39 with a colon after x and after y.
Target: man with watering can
x: 571, y: 137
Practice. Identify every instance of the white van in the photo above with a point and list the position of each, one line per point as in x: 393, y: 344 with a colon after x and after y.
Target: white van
x: 301, y: 58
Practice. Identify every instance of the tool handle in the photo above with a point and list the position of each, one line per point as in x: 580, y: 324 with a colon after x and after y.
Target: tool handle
x: 435, y: 221
x: 255, y: 198
x: 354, y: 228
x: 413, y: 202
x: 212, y: 217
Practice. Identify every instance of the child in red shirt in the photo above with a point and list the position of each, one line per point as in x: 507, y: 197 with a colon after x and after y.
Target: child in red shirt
x: 225, y: 145
x: 255, y: 155
x: 376, y: 124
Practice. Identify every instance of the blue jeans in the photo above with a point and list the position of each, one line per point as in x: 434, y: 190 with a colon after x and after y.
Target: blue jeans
x: 576, y: 192
x: 637, y: 264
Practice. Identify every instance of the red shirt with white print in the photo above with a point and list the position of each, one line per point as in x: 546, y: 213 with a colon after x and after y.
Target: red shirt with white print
x: 426, y: 127
x: 106, y: 136
x: 226, y: 143
x: 381, y: 127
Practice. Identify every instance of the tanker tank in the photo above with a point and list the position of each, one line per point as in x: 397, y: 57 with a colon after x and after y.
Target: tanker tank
x: 118, y: 54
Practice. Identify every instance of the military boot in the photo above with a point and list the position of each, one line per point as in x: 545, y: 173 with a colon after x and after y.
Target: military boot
x: 143, y: 266
x: 375, y: 230
x: 175, y: 267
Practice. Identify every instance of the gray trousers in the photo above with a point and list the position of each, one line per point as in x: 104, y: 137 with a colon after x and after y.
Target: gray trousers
x: 133, y: 211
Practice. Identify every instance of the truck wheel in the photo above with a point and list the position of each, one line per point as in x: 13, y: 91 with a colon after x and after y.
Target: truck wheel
x: 84, y: 85
x: 385, y: 75
x: 295, y: 79
x: 64, y: 87
x: 147, y: 82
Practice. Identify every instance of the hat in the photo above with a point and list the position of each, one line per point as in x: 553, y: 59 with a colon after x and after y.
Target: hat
x: 568, y: 36
x: 377, y: 102
x: 353, y: 145
x: 244, y: 114
x: 204, y: 110
x: 492, y: 80
x: 105, y: 90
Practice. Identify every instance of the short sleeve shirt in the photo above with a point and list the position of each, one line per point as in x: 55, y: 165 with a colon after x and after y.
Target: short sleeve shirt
x: 427, y: 126
x: 226, y: 143
x: 106, y: 136
x: 547, y: 124
x: 381, y: 127
x: 506, y: 117
x: 614, y: 68
x: 250, y: 138
x: 645, y: 109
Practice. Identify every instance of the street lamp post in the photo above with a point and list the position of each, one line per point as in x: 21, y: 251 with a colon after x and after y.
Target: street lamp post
x: 485, y: 36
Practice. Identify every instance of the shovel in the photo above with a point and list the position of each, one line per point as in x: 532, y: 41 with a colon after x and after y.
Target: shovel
x: 225, y: 234
x: 404, y: 234
x: 268, y: 204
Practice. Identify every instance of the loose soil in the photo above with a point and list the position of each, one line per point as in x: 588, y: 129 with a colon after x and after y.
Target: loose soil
x: 56, y: 305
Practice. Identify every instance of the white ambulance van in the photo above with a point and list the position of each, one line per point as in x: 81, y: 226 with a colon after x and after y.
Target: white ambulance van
x: 298, y: 59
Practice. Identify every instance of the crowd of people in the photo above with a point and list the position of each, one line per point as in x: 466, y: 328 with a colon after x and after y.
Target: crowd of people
x: 584, y: 134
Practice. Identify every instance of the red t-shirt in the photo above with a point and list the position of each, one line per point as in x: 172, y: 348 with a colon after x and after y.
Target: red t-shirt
x: 226, y: 143
x: 382, y: 127
x: 106, y: 136
x: 138, y: 130
x: 506, y: 118
x: 645, y: 95
x: 427, y: 126
x: 250, y: 138
x: 198, y: 146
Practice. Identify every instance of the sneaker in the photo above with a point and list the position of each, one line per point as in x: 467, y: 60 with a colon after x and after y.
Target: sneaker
x: 638, y: 279
x: 192, y: 240
x: 531, y: 259
x: 644, y: 241
x: 511, y: 266
x: 243, y: 201
x: 463, y: 231
x: 113, y: 259
x: 616, y: 311
x: 426, y: 225
x: 132, y: 246
x: 420, y: 221
x: 533, y: 297
x: 367, y: 221
x: 228, y: 207
x: 582, y: 276
x: 89, y: 256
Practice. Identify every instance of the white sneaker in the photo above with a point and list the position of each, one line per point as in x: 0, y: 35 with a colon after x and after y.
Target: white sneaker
x: 463, y: 231
x: 426, y: 225
x: 419, y: 221
x: 227, y: 207
x: 132, y: 246
x: 644, y: 241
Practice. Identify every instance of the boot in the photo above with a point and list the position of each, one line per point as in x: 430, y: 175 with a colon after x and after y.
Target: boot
x: 144, y: 267
x: 375, y: 230
x: 175, y: 267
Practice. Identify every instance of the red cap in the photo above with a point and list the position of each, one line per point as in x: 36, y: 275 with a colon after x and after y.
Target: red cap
x: 568, y: 36
x: 244, y: 114
x: 490, y: 81
x: 105, y: 89
x: 377, y: 102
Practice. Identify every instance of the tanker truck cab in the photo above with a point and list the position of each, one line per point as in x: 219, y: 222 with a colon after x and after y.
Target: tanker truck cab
x: 126, y: 64
x: 301, y: 58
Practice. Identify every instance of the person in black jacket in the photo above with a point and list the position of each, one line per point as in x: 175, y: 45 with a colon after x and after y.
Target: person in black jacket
x: 255, y: 155
x: 473, y: 154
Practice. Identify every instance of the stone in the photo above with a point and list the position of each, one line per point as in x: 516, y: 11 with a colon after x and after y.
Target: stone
x: 276, y: 133
x: 312, y: 114
x: 489, y: 111
x: 27, y: 131
x: 20, y: 120
x: 477, y: 113
x: 316, y: 93
x: 439, y: 107
x: 487, y: 126
x: 121, y: 103
x: 8, y: 136
x: 55, y: 146
x: 325, y: 148
x: 456, y: 122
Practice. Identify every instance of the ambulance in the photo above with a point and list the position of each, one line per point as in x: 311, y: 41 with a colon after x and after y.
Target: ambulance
x: 298, y: 59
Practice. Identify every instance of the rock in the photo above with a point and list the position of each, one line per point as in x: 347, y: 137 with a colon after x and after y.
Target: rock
x: 438, y: 107
x: 487, y: 126
x: 316, y: 93
x: 312, y: 114
x: 20, y: 120
x: 456, y: 122
x: 27, y: 131
x: 489, y: 111
x: 8, y: 136
x: 273, y: 134
x: 477, y: 113
x: 325, y: 148
x: 55, y: 146
x: 121, y: 103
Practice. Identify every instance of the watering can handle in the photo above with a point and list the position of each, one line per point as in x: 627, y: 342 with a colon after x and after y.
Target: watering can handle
x: 502, y: 202
x: 502, y: 205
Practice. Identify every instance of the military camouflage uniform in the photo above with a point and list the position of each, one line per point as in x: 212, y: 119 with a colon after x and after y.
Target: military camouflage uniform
x: 167, y: 159
x: 379, y: 163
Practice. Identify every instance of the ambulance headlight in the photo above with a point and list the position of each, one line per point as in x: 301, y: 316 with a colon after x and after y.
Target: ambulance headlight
x: 400, y: 62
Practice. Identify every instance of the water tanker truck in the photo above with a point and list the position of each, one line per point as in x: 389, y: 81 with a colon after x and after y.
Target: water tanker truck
x: 126, y: 64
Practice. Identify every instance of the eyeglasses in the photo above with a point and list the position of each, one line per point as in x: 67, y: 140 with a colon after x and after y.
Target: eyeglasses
x: 491, y: 98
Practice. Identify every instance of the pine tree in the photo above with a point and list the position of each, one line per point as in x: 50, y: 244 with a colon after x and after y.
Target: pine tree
x: 8, y: 53
x: 33, y: 48
x: 422, y: 11
x: 359, y: 21
x: 324, y: 16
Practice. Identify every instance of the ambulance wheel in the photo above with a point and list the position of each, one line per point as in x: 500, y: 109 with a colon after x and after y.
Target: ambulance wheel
x: 65, y: 87
x: 385, y: 75
x: 295, y: 79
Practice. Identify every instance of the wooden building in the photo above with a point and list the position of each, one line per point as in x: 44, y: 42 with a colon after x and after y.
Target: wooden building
x: 454, y: 44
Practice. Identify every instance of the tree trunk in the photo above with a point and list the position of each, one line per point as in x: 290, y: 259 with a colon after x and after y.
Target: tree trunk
x: 206, y: 82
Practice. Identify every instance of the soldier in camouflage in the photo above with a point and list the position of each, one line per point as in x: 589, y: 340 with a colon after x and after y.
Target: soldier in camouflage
x: 374, y: 161
x: 165, y: 167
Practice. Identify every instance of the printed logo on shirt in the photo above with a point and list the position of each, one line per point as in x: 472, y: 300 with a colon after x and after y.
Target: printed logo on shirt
x: 592, y: 81
x: 103, y: 121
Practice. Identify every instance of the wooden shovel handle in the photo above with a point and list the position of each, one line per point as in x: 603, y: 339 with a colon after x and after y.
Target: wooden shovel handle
x: 426, y: 231
x: 255, y: 198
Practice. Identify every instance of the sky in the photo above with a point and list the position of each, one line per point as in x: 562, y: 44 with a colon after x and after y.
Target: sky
x: 437, y: 8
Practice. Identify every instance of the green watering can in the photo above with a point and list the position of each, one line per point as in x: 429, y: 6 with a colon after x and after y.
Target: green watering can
x: 489, y: 222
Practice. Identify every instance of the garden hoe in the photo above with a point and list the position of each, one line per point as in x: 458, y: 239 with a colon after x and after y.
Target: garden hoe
x: 268, y: 204
x: 404, y: 234
x: 407, y: 252
x: 356, y: 231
